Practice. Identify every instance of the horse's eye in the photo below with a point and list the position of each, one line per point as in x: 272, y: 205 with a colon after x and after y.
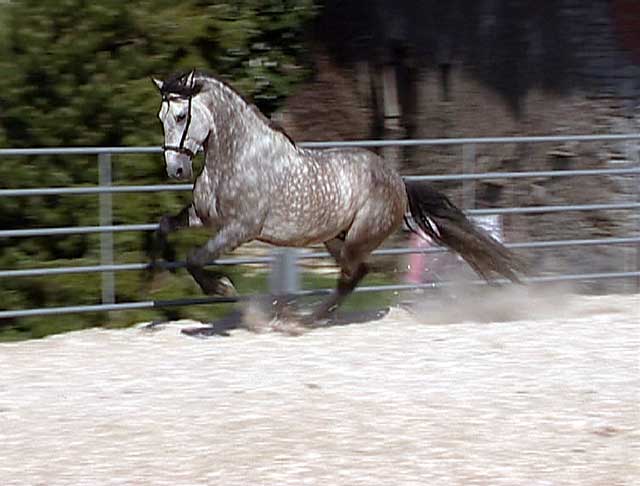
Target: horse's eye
x: 181, y: 117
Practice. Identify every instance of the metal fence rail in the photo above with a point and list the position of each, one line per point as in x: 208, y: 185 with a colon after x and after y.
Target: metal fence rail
x: 350, y: 143
x: 66, y: 191
x: 106, y: 228
x: 124, y: 267
x: 151, y: 227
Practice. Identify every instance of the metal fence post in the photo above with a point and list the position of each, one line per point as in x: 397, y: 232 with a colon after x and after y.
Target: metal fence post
x: 636, y: 159
x: 106, y: 219
x: 284, y: 278
x: 468, y: 167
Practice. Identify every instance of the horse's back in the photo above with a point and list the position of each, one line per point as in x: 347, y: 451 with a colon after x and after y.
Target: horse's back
x: 365, y: 172
x: 322, y: 192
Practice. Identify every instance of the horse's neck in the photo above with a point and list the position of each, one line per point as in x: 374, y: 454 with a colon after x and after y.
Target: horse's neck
x: 238, y: 133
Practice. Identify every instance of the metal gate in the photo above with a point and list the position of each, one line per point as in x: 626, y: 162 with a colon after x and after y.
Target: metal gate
x: 285, y: 276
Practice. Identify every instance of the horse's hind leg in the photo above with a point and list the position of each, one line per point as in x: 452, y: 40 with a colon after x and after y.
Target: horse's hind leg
x: 346, y: 284
x: 373, y: 223
x: 353, y: 269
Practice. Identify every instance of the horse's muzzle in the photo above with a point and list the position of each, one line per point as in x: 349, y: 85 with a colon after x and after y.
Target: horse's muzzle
x: 180, y: 171
x: 178, y: 160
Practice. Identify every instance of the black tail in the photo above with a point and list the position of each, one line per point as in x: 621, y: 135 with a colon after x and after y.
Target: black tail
x: 447, y: 225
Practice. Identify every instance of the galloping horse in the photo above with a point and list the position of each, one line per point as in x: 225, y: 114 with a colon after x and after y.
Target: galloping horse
x: 257, y: 184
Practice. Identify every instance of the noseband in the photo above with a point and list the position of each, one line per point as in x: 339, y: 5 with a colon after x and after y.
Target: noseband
x: 181, y: 149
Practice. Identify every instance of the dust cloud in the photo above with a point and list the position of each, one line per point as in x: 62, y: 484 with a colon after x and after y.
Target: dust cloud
x: 463, y: 303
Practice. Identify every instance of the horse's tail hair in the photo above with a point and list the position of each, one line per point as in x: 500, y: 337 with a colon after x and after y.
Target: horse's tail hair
x: 447, y: 225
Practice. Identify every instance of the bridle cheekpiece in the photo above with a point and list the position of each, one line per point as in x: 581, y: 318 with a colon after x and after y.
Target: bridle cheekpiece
x: 181, y: 149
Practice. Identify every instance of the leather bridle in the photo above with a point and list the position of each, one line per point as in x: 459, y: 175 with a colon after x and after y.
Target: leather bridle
x: 181, y: 149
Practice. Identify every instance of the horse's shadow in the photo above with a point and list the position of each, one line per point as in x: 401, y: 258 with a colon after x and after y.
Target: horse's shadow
x: 235, y: 320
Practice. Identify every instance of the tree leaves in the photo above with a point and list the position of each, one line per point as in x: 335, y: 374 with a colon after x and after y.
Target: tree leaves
x: 76, y: 73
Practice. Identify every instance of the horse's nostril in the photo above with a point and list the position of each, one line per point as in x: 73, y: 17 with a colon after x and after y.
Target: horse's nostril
x: 179, y: 171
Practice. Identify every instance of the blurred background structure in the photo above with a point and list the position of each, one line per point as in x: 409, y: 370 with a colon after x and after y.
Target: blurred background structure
x: 76, y: 73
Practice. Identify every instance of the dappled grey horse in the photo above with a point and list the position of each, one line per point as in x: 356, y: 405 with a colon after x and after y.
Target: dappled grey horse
x: 257, y: 184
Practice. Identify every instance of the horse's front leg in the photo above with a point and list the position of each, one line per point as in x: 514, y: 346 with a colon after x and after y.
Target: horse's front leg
x: 168, y: 224
x: 227, y: 239
x: 160, y: 247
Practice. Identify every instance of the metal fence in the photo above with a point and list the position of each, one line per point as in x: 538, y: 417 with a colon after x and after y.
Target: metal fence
x: 284, y: 275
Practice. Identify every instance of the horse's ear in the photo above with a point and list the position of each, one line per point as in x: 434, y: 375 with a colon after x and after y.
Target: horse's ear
x: 159, y: 84
x: 190, y: 78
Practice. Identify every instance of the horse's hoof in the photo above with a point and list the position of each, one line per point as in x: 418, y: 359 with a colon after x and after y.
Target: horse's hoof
x: 225, y: 288
x: 217, y: 286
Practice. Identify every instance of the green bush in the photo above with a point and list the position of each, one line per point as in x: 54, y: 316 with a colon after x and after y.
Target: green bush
x: 76, y: 73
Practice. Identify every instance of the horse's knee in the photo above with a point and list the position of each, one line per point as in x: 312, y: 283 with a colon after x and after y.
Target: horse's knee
x: 165, y: 225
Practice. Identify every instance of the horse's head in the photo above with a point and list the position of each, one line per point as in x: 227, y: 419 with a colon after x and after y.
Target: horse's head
x: 186, y: 123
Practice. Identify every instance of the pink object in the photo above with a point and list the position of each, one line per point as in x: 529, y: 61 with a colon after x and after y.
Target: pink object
x: 417, y: 261
x: 427, y: 267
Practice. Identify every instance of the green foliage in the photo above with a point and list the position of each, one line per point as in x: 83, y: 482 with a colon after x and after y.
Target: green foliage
x: 76, y: 73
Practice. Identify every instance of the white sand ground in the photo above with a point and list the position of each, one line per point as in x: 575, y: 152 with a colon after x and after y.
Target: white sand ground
x: 426, y: 399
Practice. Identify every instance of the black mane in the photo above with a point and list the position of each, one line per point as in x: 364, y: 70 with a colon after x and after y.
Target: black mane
x: 177, y: 84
